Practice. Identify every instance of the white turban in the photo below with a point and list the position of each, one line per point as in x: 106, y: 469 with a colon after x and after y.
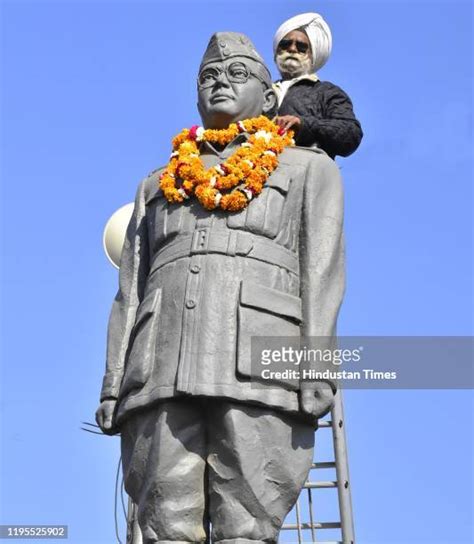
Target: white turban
x: 318, y: 32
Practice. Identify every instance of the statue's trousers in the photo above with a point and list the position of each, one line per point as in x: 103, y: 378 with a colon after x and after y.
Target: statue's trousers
x: 189, y: 461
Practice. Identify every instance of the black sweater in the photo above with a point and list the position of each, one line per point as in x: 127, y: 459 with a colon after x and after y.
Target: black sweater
x: 326, y: 114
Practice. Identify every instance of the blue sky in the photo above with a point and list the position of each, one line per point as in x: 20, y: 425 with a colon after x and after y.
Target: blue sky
x: 92, y: 92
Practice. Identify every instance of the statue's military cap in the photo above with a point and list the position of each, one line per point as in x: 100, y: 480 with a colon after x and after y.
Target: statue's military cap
x: 225, y: 45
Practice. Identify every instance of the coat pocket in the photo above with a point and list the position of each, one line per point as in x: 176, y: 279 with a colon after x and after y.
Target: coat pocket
x: 142, y: 343
x: 263, y: 215
x: 265, y: 312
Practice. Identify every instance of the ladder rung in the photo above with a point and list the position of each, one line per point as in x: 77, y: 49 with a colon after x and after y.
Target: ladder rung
x: 317, y: 525
x: 326, y: 464
x: 324, y: 423
x: 319, y: 485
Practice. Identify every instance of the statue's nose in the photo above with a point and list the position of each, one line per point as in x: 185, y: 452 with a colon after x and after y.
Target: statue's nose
x: 222, y: 79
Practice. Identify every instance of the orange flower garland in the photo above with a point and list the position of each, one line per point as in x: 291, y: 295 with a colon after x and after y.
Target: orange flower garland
x: 243, y: 174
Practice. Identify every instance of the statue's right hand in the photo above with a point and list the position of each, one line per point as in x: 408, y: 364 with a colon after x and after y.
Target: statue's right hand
x: 104, y: 416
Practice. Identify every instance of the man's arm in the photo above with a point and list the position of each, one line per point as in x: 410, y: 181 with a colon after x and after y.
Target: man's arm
x: 338, y: 132
x: 134, y: 267
x: 322, y: 270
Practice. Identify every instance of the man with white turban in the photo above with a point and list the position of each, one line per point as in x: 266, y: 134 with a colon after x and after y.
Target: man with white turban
x: 319, y: 112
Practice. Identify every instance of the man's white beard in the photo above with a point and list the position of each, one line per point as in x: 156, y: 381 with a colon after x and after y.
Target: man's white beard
x: 293, y: 65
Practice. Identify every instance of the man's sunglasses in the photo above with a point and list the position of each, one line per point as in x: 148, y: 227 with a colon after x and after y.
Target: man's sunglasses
x: 302, y: 47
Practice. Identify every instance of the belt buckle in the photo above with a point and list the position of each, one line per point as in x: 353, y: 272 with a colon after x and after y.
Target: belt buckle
x: 200, y: 241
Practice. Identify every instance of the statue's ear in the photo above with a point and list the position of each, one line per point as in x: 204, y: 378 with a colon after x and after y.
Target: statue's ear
x: 269, y: 103
x: 199, y: 110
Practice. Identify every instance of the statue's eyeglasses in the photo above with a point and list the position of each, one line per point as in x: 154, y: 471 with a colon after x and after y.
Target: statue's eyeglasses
x: 235, y: 72
x: 302, y: 47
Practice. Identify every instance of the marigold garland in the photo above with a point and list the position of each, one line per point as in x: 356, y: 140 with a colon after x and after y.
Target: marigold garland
x: 242, y: 175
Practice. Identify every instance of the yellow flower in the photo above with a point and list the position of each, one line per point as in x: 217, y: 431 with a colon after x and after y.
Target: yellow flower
x: 234, y: 201
x: 206, y: 196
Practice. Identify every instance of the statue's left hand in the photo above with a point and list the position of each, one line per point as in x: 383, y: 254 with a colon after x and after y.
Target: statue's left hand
x: 317, y: 401
x: 104, y: 416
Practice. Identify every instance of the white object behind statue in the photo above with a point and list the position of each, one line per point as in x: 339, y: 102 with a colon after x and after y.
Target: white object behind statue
x: 114, y: 233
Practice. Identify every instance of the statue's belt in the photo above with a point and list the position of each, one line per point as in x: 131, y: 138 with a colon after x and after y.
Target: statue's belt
x: 204, y: 240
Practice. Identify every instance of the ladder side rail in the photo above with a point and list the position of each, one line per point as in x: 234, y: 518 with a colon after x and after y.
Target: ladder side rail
x: 134, y: 534
x: 342, y: 470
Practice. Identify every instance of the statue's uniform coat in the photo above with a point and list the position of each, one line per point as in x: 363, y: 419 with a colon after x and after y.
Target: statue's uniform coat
x: 194, y: 287
x: 182, y: 319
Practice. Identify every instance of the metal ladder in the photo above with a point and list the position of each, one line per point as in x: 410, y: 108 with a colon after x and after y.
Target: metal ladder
x: 341, y: 483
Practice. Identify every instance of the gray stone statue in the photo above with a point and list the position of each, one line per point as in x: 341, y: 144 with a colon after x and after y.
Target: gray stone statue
x: 201, y: 445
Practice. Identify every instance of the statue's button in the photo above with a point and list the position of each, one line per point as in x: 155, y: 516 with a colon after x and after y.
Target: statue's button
x: 190, y: 304
x: 195, y: 269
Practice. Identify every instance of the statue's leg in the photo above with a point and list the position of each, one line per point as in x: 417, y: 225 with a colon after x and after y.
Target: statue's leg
x: 258, y: 462
x: 163, y: 456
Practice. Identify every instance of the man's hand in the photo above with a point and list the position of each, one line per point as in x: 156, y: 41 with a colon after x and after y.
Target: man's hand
x: 288, y: 122
x: 317, y: 401
x: 104, y: 415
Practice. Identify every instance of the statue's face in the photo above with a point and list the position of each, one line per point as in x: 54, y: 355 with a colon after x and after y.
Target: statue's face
x: 230, y: 91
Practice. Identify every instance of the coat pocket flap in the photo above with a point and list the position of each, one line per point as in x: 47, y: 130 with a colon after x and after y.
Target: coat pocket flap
x: 270, y: 300
x: 280, y: 181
